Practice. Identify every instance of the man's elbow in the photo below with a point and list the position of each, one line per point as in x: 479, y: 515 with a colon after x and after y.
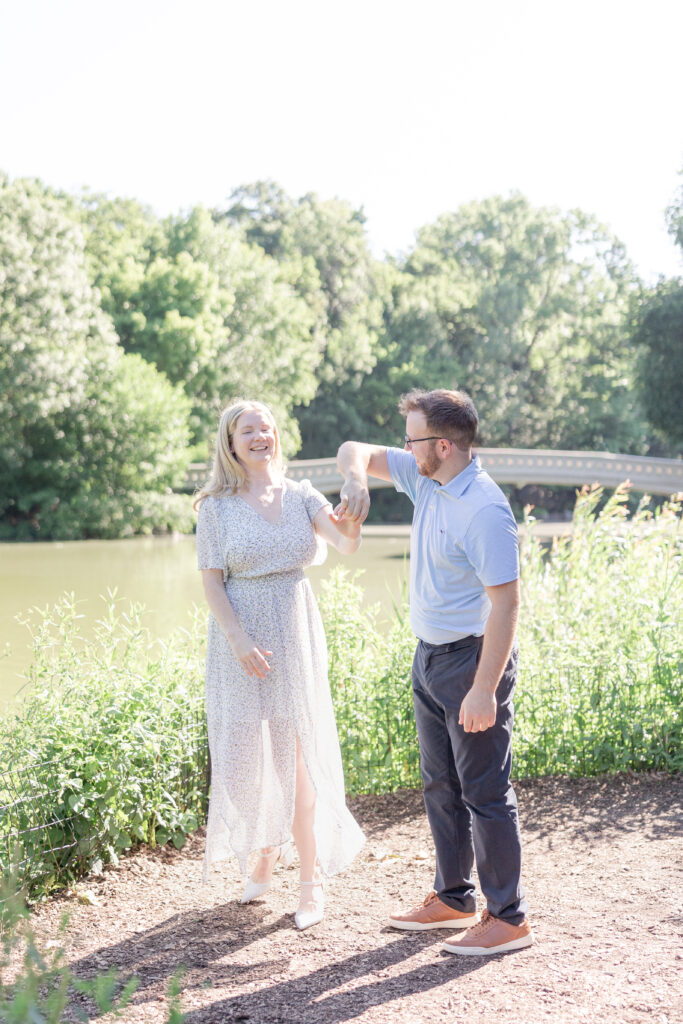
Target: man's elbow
x: 344, y: 453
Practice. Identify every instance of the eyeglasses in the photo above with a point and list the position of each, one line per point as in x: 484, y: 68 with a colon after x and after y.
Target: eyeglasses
x: 410, y: 441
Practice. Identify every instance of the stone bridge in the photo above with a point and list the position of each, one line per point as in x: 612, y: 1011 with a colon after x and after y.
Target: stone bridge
x: 516, y: 466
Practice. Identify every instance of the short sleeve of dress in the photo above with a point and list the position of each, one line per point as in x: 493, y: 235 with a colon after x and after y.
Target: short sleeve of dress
x: 313, y: 500
x: 209, y: 554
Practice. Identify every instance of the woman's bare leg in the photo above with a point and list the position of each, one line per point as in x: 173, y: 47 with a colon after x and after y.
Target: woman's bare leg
x: 302, y: 829
x: 263, y: 868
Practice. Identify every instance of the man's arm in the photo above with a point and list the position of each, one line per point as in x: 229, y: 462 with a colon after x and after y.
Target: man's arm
x: 356, y: 461
x: 478, y: 709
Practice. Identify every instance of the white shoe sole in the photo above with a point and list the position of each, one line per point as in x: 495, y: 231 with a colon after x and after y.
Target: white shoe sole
x: 307, y: 920
x: 505, y: 947
x: 416, y: 926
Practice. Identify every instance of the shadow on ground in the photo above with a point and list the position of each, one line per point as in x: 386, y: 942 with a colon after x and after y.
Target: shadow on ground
x: 154, y: 956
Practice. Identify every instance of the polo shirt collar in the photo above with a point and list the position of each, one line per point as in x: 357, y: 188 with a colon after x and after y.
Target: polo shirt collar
x: 456, y: 487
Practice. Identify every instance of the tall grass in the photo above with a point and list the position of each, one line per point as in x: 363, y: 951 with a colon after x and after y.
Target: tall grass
x: 601, y: 639
x: 369, y: 670
x: 108, y: 749
x: 601, y: 635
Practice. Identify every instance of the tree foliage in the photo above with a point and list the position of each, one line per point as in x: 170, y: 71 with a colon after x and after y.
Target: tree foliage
x: 532, y: 307
x: 81, y: 424
x: 215, y: 314
x: 674, y: 216
x: 659, y: 333
x: 323, y: 251
x: 524, y: 308
x: 122, y: 334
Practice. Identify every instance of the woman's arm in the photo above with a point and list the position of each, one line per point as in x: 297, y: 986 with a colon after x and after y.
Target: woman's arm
x: 251, y: 657
x: 341, y: 533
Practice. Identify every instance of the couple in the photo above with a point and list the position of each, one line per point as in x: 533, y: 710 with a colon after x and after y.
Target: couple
x: 276, y: 765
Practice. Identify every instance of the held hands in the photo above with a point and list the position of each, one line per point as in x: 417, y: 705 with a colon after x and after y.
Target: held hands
x: 478, y: 710
x: 346, y: 526
x: 355, y: 501
x: 251, y: 658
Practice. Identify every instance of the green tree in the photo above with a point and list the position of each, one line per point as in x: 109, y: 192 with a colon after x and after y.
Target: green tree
x: 214, y: 313
x: 261, y: 211
x: 267, y: 345
x: 323, y: 252
x: 524, y: 308
x: 533, y: 307
x: 82, y: 427
x: 659, y: 334
x: 674, y: 216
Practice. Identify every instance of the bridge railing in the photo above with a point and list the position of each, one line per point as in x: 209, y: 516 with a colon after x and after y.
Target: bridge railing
x: 517, y: 466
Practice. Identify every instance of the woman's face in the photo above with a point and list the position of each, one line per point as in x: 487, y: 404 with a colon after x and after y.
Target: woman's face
x: 253, y: 440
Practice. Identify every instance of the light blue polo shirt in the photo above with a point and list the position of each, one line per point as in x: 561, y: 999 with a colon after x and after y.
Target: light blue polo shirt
x: 463, y: 538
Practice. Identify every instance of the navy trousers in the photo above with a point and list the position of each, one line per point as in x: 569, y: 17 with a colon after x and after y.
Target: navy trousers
x: 470, y: 802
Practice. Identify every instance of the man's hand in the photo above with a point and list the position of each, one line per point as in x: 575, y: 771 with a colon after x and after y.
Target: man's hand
x: 356, y: 461
x: 355, y: 500
x: 478, y: 710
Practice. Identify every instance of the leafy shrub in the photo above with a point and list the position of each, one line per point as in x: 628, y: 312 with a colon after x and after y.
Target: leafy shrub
x: 108, y: 749
x: 112, y: 516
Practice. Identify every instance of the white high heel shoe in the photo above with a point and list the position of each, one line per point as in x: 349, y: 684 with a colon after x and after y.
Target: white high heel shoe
x: 307, y: 918
x: 252, y: 890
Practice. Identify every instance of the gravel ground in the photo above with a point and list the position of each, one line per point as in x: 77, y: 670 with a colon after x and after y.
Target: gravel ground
x: 602, y: 869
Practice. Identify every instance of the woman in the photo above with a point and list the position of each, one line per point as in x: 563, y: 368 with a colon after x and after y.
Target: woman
x: 276, y: 766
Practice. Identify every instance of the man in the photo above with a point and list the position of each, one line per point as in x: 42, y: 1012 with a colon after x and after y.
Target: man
x: 464, y: 599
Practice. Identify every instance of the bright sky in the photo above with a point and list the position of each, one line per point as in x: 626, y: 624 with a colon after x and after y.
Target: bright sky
x: 406, y: 107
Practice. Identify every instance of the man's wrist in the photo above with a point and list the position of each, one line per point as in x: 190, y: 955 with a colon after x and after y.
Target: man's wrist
x: 483, y: 685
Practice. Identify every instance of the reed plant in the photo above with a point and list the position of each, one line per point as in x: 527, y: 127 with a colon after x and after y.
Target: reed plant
x: 108, y: 747
x: 601, y: 636
x: 601, y: 639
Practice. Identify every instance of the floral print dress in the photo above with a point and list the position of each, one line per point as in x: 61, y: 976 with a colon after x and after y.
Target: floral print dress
x: 253, y: 723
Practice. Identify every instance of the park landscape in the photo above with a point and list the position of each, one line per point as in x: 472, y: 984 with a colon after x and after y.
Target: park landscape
x: 122, y: 332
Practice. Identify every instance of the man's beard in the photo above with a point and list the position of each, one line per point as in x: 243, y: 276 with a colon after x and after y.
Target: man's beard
x: 430, y: 464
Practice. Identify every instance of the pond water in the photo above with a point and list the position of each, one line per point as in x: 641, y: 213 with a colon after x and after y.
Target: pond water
x: 160, y: 572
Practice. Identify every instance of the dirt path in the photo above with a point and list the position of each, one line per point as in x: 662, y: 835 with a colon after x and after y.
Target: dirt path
x: 603, y: 864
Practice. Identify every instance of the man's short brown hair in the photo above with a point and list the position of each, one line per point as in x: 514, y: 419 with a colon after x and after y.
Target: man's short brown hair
x: 449, y: 414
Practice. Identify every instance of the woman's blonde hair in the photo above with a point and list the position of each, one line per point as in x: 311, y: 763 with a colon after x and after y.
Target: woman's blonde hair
x: 227, y: 473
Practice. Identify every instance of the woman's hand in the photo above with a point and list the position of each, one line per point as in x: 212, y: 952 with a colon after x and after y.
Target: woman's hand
x: 346, y: 526
x: 251, y: 658
x: 336, y: 529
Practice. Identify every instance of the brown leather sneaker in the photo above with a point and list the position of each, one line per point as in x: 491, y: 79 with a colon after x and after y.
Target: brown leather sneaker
x: 491, y: 936
x: 432, y: 914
